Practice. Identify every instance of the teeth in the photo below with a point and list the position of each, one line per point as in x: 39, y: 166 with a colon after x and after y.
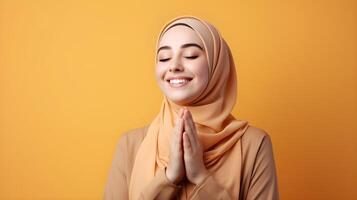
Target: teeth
x: 178, y: 81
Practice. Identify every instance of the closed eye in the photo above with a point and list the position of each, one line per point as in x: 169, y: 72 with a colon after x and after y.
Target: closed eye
x: 191, y: 57
x: 164, y: 60
x: 188, y: 57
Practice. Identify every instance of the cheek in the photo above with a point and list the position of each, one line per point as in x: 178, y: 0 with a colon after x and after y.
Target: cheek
x: 201, y: 71
x: 159, y: 72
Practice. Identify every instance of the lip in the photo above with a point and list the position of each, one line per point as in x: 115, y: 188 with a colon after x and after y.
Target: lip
x: 179, y: 77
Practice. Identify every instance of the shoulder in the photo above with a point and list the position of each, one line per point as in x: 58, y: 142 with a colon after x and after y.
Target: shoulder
x: 135, y: 134
x: 255, y: 140
x: 132, y: 138
x: 254, y: 136
x: 127, y: 147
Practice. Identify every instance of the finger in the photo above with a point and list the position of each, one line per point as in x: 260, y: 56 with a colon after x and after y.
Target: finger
x: 189, y: 130
x: 178, y: 126
x: 181, y: 112
x: 190, y: 123
x: 193, y: 127
x: 178, y: 121
x: 177, y: 137
x: 187, y: 144
x: 180, y: 130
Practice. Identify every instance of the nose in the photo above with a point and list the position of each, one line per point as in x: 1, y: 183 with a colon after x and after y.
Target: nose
x: 176, y: 66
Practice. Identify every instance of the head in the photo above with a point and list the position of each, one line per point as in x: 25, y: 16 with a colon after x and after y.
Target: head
x: 182, y: 71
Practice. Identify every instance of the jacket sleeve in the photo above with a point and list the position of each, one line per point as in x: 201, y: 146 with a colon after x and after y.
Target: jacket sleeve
x: 264, y: 183
x: 160, y: 187
x: 117, y: 185
x: 209, y: 189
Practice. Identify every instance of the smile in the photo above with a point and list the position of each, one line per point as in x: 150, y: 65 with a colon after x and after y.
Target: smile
x: 177, y: 83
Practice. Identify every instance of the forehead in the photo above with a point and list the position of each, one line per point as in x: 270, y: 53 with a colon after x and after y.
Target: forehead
x: 178, y: 35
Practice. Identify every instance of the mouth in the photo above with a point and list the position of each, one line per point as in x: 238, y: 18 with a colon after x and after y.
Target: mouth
x: 179, y: 82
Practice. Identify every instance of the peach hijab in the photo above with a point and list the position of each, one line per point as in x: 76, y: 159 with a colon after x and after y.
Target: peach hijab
x: 217, y: 129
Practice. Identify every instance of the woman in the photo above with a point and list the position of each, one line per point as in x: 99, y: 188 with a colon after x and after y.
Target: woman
x: 194, y: 148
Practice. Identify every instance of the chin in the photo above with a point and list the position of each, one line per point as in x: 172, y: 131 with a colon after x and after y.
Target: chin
x: 179, y: 100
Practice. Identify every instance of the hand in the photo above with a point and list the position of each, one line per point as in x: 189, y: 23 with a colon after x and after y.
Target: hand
x: 175, y: 170
x: 196, y: 170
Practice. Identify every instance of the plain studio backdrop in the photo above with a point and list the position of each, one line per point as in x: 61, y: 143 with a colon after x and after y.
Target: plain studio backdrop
x: 75, y: 75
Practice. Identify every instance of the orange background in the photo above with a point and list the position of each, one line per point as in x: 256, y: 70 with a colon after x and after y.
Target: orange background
x: 75, y: 75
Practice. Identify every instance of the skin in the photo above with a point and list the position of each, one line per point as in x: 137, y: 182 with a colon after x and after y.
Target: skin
x: 175, y: 60
x: 186, y: 154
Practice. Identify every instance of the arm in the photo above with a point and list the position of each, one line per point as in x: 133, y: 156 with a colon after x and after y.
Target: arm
x: 209, y: 189
x: 160, y: 188
x: 117, y: 186
x: 264, y: 183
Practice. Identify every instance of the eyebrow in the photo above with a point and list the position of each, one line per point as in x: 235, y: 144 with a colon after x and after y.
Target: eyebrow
x: 182, y: 46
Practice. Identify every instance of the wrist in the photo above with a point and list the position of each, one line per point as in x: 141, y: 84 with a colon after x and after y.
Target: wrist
x: 170, y: 177
x: 201, y: 177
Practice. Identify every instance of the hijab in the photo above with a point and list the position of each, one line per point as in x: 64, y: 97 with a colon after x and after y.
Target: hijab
x: 218, y: 130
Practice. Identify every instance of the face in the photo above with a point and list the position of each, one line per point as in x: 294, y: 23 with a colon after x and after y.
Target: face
x: 181, y: 65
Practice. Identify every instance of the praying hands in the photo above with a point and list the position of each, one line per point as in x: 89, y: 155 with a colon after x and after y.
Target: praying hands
x: 186, y: 154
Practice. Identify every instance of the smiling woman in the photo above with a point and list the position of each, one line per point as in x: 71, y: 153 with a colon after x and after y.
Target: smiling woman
x: 194, y: 148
